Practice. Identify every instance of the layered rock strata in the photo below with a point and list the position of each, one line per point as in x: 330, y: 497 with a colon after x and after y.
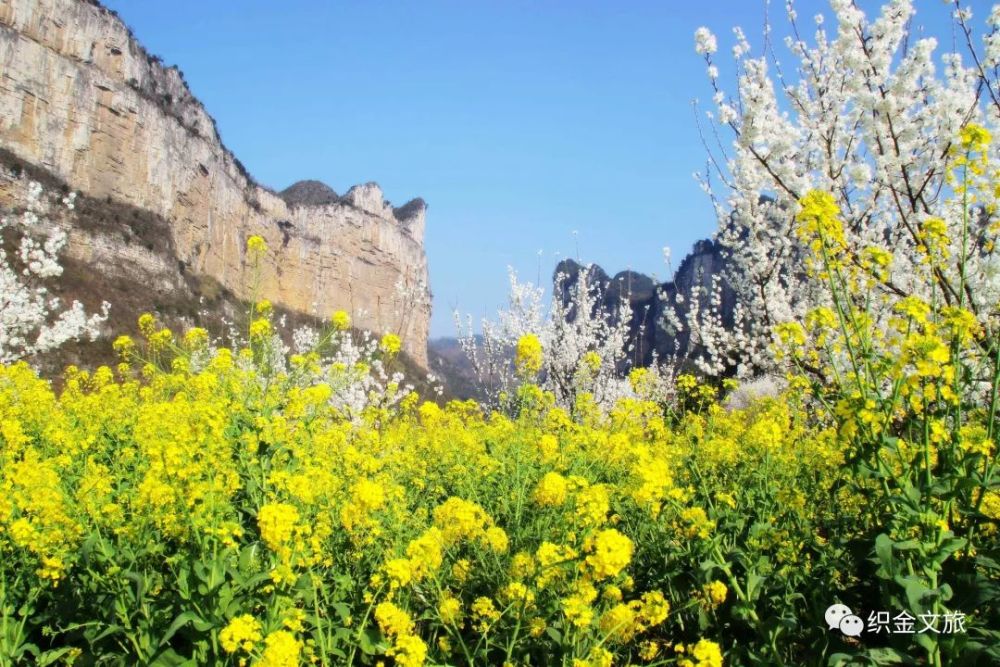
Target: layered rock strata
x: 83, y: 101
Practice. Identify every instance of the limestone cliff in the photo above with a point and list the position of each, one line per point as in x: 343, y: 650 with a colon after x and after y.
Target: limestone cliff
x: 81, y: 100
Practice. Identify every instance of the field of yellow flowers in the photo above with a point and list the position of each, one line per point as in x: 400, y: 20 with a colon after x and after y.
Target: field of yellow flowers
x: 209, y: 505
x: 156, y: 514
x: 217, y: 518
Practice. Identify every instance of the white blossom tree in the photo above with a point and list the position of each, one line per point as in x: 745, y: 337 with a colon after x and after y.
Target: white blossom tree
x: 585, y: 347
x: 870, y: 112
x: 33, y: 321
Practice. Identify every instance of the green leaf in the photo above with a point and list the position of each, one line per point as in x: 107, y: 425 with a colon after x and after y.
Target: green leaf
x: 170, y: 658
x: 906, y: 545
x: 925, y: 640
x: 107, y: 632
x: 987, y: 563
x: 370, y: 642
x: 916, y: 594
x: 753, y: 585
x: 183, y: 619
x: 247, y: 555
x: 28, y: 648
x: 883, y: 551
x: 50, y: 657
x: 183, y: 585
x: 887, y: 656
x: 947, y: 548
x: 343, y: 610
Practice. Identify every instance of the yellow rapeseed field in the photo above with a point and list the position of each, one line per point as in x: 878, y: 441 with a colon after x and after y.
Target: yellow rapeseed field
x: 226, y: 518
x: 200, y: 504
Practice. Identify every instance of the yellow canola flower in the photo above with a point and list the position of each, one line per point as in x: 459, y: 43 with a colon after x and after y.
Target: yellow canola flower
x: 592, y: 505
x: 390, y: 344
x: 654, y: 608
x: 528, y: 355
x: 715, y: 592
x: 497, y: 540
x: 426, y: 553
x: 174, y: 459
x: 648, y: 650
x: 485, y: 613
x: 450, y: 611
x: 552, y: 489
x: 695, y: 523
x: 819, y: 222
x: 368, y: 495
x: 460, y: 519
x: 619, y: 623
x: 256, y: 245
x: 408, y: 651
x: 196, y: 337
x: 260, y: 329
x: 597, y: 657
x: 483, y: 607
x: 705, y: 653
x: 242, y: 633
x: 340, y: 320
x: 124, y: 346
x: 548, y: 448
x: 281, y: 649
x: 975, y: 138
x: 399, y: 571
x: 277, y: 523
x: 591, y: 361
x: 147, y: 324
x: 610, y: 553
x: 577, y: 607
x: 392, y: 620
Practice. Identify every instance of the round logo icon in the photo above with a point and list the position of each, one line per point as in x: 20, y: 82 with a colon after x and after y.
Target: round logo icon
x: 852, y: 626
x: 835, y: 613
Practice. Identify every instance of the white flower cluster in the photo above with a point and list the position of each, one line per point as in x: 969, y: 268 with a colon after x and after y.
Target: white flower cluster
x: 866, y: 113
x: 704, y: 41
x: 31, y: 319
x: 354, y: 368
x: 586, y: 350
x: 359, y: 374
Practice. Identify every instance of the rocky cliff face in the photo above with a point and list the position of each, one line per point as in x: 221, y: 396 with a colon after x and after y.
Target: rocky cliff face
x: 83, y: 102
x: 648, y: 300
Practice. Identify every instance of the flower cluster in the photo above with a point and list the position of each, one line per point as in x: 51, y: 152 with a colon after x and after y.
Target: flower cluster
x: 32, y: 320
x: 265, y: 526
x: 890, y: 162
x: 580, y: 360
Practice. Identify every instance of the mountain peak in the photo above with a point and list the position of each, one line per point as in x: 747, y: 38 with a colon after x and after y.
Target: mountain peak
x: 309, y: 193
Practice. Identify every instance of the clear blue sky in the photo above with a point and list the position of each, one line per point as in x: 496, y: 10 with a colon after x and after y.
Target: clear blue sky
x: 518, y: 122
